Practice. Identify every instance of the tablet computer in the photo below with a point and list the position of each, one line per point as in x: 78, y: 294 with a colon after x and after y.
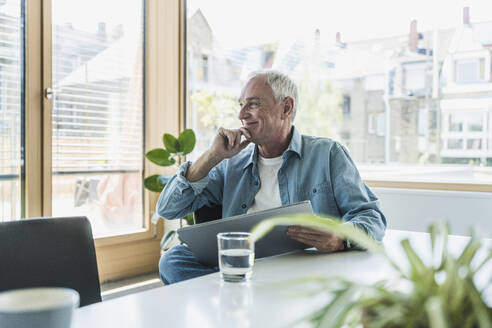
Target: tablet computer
x: 202, y: 238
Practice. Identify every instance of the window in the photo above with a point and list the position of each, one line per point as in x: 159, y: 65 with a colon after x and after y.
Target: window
x: 456, y: 122
x: 371, y: 124
x: 97, y: 138
x: 470, y: 70
x: 381, y: 125
x: 423, y: 122
x: 474, y: 144
x: 11, y: 109
x: 415, y: 77
x: 367, y: 88
x: 205, y: 68
x: 475, y: 123
x: 468, y: 129
x: 455, y: 144
x: 346, y: 106
x: 79, y: 149
x: 345, y: 136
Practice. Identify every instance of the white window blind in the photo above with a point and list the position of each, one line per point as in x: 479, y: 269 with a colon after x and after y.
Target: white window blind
x: 98, y: 107
x: 98, y: 113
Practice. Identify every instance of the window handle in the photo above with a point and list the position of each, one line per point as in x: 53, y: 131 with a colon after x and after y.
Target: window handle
x: 48, y: 93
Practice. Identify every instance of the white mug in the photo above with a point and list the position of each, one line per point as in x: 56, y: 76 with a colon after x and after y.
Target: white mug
x: 40, y: 307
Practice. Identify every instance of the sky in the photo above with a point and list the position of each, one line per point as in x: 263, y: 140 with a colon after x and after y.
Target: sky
x: 243, y: 22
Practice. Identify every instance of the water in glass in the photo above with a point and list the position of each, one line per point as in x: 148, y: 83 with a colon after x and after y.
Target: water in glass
x: 236, y: 264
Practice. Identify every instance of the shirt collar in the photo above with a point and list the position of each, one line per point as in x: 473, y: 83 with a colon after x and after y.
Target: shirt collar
x: 295, y: 146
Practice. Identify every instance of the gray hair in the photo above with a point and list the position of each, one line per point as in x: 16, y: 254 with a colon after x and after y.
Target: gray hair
x: 282, y: 86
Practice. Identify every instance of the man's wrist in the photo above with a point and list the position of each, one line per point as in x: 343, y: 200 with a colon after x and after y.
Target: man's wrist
x: 200, y: 168
x: 212, y: 158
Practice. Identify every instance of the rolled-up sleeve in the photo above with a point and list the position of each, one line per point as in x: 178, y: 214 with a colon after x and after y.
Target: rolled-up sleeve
x: 180, y: 196
x: 355, y: 201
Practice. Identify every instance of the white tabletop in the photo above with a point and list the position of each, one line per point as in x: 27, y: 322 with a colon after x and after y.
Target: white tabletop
x: 265, y: 301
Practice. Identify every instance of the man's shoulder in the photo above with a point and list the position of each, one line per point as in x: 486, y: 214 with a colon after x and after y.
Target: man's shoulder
x: 319, y: 143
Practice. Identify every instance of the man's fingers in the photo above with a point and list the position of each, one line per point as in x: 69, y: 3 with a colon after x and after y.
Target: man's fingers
x: 304, y: 240
x: 225, y: 134
x: 306, y: 235
x: 245, y: 132
x: 237, y: 140
x: 307, y: 230
x: 231, y: 137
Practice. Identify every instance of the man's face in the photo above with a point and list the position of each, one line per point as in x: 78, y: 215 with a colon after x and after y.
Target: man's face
x: 259, y: 113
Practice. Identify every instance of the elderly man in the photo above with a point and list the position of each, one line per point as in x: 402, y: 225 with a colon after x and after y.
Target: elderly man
x: 266, y: 163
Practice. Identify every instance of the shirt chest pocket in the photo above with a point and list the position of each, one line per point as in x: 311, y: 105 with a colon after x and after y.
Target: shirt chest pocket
x: 312, y: 191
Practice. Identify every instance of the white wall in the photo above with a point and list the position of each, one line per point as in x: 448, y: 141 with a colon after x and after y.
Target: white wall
x: 410, y: 209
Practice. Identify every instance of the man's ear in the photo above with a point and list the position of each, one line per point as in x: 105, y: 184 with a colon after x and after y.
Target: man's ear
x: 288, y: 106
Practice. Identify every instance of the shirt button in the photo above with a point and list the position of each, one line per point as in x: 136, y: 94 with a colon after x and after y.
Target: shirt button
x: 243, y: 206
x: 314, y: 190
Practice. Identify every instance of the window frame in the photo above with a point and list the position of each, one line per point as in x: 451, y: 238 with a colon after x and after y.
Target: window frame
x: 482, y: 56
x: 125, y: 254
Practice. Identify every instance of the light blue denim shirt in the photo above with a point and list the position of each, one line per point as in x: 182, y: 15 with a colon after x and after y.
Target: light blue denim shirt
x: 318, y: 169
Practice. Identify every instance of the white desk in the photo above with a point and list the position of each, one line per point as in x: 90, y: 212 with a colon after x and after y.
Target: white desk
x: 208, y: 302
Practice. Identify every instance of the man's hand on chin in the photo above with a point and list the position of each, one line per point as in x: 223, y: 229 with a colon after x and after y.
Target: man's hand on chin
x: 228, y: 143
x: 323, y: 241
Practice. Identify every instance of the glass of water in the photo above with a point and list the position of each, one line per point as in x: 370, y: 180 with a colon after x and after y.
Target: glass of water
x: 236, y: 255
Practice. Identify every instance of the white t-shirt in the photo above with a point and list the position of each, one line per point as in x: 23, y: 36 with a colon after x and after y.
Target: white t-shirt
x: 269, y: 194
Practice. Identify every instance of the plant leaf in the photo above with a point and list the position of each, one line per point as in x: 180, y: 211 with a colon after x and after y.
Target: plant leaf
x: 483, y: 314
x: 469, y: 252
x: 434, y: 249
x: 171, y: 143
x: 160, y: 157
x: 154, y: 183
x: 328, y: 224
x: 435, y: 298
x: 167, y: 239
x: 187, y: 141
x: 387, y: 315
x: 190, y: 219
x: 417, y: 265
x: 485, y: 261
x: 435, y: 312
x: 336, y: 312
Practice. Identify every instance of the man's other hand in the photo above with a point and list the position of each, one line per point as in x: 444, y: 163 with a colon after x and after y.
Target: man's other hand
x: 323, y: 241
x: 227, y: 143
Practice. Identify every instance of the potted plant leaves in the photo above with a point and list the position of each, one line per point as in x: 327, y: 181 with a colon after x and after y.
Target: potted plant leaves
x: 441, y: 293
x: 173, y: 153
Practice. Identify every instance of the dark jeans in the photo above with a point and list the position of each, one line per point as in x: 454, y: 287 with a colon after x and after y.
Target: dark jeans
x: 179, y: 264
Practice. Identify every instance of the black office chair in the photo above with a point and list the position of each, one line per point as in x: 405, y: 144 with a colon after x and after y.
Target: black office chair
x: 205, y: 214
x: 50, y: 252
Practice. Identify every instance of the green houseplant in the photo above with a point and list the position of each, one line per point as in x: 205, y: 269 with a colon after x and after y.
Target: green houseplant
x: 441, y: 294
x: 173, y: 153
